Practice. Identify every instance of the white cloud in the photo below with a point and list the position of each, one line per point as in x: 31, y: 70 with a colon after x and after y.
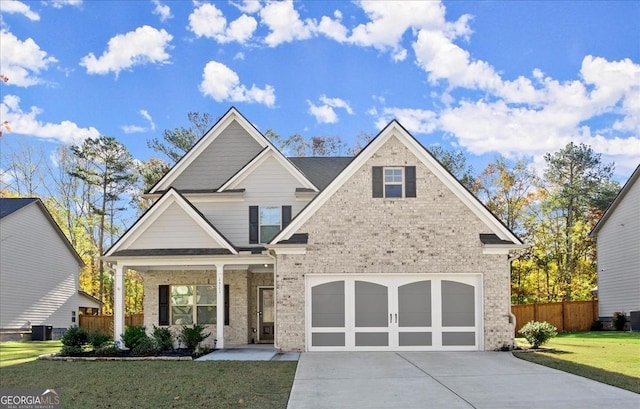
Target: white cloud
x: 128, y: 129
x: 18, y: 7
x: 22, y: 61
x: 239, y: 56
x: 325, y: 112
x: 208, y: 21
x: 285, y: 24
x: 27, y: 123
x: 62, y: 3
x: 144, y: 45
x: 162, y: 10
x: 248, y: 6
x: 414, y: 120
x: 223, y: 84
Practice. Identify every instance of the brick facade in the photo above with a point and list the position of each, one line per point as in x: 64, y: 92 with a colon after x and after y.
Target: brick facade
x: 355, y: 233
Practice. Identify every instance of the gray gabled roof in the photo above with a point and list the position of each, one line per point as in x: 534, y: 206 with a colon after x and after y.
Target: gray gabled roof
x: 321, y: 170
x: 10, y: 205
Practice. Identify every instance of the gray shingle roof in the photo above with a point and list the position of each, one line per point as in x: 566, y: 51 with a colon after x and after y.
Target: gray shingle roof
x: 9, y: 205
x: 321, y: 170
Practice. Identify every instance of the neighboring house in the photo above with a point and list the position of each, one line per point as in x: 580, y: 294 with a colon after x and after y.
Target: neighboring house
x: 617, y: 237
x: 384, y: 251
x: 38, y: 271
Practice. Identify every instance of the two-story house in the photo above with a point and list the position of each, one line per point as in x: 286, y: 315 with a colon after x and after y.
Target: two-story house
x: 383, y: 251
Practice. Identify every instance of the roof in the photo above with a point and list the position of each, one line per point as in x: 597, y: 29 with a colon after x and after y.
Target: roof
x: 321, y: 170
x: 89, y: 296
x: 612, y: 207
x: 9, y: 206
x: 394, y: 128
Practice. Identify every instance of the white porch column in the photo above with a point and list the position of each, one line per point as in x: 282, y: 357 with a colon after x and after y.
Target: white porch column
x: 220, y: 305
x: 118, y: 303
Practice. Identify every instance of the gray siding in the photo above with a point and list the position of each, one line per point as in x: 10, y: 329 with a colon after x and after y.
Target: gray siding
x: 619, y: 257
x: 223, y: 158
x: 39, y: 274
x: 268, y: 185
x: 174, y: 229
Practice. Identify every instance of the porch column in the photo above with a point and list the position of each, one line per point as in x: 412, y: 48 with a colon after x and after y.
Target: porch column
x: 220, y: 305
x: 118, y: 303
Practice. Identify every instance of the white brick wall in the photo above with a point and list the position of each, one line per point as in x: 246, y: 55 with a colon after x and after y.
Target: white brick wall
x: 355, y: 233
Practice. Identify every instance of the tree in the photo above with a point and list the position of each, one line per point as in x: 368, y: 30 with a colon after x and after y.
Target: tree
x: 574, y: 179
x: 107, y: 166
x: 327, y: 146
x: 456, y: 164
x: 179, y: 140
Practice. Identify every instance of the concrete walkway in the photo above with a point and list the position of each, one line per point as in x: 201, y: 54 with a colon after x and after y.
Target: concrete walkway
x: 371, y: 380
x: 251, y: 352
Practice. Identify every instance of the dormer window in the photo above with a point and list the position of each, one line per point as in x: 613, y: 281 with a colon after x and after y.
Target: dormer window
x: 267, y: 221
x: 394, y: 181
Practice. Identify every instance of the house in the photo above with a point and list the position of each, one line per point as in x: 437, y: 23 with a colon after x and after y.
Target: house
x: 384, y: 251
x: 38, y: 271
x: 618, y: 248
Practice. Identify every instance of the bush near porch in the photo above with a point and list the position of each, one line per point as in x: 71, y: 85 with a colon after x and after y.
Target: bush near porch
x: 609, y: 357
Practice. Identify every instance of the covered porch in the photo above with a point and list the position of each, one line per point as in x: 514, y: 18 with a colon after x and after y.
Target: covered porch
x: 183, y: 289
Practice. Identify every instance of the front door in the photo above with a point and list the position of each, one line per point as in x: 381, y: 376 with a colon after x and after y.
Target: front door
x: 265, y: 314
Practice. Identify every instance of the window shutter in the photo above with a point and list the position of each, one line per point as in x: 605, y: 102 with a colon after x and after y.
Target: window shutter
x: 286, y: 216
x: 226, y: 304
x: 163, y: 305
x: 378, y: 186
x: 253, y: 224
x: 410, y: 181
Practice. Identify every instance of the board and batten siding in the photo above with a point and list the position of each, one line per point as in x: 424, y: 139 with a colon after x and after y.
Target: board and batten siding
x: 38, y: 273
x: 174, y: 229
x: 619, y: 257
x: 270, y: 184
x: 222, y: 159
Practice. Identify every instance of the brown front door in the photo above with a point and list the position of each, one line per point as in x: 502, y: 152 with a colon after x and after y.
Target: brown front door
x: 265, y: 314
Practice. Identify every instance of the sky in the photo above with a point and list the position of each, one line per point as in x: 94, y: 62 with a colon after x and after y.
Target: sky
x: 488, y: 78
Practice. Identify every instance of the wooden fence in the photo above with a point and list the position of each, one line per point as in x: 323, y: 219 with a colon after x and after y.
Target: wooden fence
x: 104, y: 323
x: 565, y: 316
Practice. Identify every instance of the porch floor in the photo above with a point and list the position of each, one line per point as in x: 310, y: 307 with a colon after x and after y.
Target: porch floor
x: 250, y: 352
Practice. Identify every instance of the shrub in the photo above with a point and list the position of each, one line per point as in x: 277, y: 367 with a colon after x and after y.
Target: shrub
x: 163, y: 338
x: 618, y: 320
x: 75, y: 337
x: 108, y: 349
x: 538, y: 333
x: 71, y: 350
x: 145, y: 347
x: 597, y: 325
x: 133, y: 335
x: 98, y: 339
x: 192, y: 336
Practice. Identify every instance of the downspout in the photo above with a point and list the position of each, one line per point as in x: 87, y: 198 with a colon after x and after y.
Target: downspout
x: 271, y: 253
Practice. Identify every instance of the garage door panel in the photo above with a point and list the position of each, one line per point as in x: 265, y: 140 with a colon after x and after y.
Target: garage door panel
x: 458, y: 304
x: 415, y: 339
x: 371, y: 304
x: 328, y: 305
x: 372, y: 339
x: 414, y: 304
x: 328, y: 339
x: 458, y: 338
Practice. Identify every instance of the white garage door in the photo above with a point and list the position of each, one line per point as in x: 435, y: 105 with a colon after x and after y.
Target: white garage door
x: 410, y: 312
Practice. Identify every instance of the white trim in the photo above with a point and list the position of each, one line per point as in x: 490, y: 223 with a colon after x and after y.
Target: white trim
x: 147, y: 220
x: 255, y: 163
x: 395, y: 129
x: 204, y: 142
x: 200, y: 197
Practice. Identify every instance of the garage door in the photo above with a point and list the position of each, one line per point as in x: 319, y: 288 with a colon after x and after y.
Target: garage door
x: 412, y: 312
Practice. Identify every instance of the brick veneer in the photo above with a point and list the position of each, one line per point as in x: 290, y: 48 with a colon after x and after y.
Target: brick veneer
x: 355, y: 233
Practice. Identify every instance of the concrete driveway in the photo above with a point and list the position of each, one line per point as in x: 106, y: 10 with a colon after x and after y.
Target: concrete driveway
x: 371, y: 380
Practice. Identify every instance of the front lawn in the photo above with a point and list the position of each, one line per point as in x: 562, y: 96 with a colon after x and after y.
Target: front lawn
x: 158, y: 384
x: 610, y: 357
x: 12, y: 353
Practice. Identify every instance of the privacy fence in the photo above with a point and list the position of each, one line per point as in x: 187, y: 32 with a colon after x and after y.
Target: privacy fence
x: 104, y: 323
x: 566, y: 316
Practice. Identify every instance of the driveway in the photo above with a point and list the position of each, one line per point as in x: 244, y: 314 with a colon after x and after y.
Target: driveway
x: 371, y: 380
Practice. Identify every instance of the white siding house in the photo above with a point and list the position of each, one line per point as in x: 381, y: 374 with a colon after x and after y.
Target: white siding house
x: 618, y: 245
x: 38, y: 270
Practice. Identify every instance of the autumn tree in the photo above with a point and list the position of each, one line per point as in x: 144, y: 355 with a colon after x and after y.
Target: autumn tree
x: 456, y: 163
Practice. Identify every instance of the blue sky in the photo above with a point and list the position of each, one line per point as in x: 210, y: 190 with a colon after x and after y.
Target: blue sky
x: 516, y: 78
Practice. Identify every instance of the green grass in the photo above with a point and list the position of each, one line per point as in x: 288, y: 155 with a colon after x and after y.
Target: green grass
x: 13, y: 353
x: 606, y: 356
x: 158, y: 384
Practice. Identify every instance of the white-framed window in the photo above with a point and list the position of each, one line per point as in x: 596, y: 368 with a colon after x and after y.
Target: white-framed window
x: 193, y: 304
x: 393, y: 182
x: 270, y: 223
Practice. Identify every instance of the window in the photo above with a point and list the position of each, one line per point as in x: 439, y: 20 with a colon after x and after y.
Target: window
x: 393, y: 182
x: 269, y: 223
x: 193, y: 304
